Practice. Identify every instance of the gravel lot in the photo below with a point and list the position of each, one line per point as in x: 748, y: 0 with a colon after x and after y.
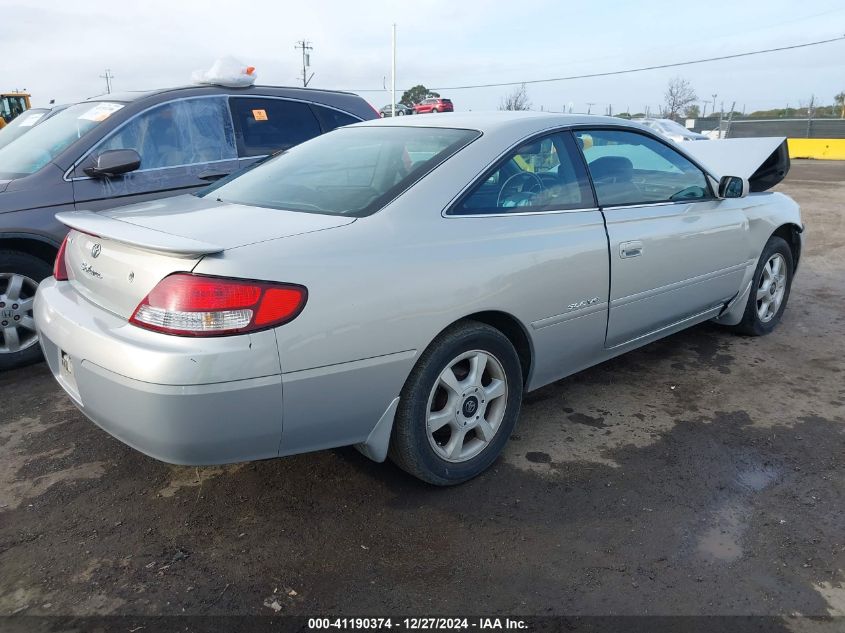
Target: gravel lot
x: 702, y: 474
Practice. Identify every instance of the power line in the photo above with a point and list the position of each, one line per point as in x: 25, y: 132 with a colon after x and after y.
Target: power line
x: 632, y: 70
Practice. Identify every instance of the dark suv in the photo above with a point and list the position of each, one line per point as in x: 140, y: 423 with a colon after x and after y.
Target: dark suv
x: 118, y: 149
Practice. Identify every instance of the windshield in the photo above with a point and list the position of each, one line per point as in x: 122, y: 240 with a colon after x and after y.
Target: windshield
x: 39, y: 146
x: 21, y: 125
x: 350, y: 171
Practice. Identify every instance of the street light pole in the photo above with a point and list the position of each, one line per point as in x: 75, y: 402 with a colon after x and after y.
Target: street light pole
x: 393, y: 77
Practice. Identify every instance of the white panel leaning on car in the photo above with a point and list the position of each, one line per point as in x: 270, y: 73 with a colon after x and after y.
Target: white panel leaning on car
x: 398, y: 285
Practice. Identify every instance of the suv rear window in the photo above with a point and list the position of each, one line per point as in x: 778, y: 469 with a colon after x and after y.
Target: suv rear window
x: 264, y: 126
x: 331, y: 119
x: 352, y: 171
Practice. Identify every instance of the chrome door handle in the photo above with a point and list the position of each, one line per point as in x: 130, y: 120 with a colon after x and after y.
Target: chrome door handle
x: 630, y: 249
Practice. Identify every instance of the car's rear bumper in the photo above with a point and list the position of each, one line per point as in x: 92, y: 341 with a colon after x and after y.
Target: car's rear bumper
x: 138, y: 385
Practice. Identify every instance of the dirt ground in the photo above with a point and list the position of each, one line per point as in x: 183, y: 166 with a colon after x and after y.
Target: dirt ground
x: 702, y: 474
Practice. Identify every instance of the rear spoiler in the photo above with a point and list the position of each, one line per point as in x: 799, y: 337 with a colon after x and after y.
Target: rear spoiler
x: 137, y: 236
x: 764, y: 162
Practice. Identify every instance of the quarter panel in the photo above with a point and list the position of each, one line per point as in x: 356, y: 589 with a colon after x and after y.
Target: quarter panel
x: 388, y: 284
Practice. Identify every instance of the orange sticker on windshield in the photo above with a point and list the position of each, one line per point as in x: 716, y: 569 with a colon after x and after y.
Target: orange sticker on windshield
x: 259, y: 115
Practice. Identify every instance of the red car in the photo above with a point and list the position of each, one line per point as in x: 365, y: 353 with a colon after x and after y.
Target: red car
x: 435, y: 104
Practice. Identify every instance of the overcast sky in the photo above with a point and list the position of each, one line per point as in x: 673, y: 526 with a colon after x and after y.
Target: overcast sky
x: 57, y: 49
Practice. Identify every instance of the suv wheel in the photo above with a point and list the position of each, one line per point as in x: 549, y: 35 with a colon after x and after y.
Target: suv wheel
x: 20, y: 274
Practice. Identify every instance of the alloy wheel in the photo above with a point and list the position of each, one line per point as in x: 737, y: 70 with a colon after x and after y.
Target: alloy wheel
x: 17, y: 327
x: 466, y: 406
x: 772, y: 288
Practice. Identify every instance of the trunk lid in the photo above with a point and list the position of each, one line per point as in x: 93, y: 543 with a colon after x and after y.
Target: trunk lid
x: 114, y: 259
x: 120, y: 275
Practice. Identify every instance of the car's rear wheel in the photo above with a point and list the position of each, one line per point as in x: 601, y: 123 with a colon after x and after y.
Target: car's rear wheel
x: 769, y: 289
x: 20, y: 274
x: 400, y: 113
x: 458, y: 406
x: 434, y: 110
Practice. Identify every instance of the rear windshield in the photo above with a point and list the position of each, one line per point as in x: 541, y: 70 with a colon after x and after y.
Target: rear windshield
x: 39, y: 146
x: 351, y: 171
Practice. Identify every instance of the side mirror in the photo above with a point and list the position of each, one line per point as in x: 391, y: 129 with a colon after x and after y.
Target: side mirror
x: 114, y: 162
x: 732, y: 187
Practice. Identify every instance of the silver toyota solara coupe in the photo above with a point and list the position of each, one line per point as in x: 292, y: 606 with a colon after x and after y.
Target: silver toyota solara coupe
x: 399, y: 284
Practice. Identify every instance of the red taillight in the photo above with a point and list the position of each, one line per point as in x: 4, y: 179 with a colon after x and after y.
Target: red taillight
x: 194, y: 305
x: 59, y: 266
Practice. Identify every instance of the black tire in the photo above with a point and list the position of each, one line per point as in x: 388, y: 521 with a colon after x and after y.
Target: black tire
x: 434, y: 110
x: 410, y: 448
x: 752, y: 324
x: 37, y: 270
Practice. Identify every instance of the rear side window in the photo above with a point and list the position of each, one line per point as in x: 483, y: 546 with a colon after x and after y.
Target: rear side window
x: 331, y: 119
x: 264, y: 126
x: 545, y: 174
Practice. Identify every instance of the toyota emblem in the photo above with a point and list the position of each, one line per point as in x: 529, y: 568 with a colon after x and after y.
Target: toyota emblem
x: 95, y: 250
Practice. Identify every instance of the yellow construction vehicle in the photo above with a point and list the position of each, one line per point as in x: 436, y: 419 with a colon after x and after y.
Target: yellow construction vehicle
x: 11, y: 105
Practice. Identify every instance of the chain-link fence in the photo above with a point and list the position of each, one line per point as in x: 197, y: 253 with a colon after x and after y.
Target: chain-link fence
x: 790, y: 128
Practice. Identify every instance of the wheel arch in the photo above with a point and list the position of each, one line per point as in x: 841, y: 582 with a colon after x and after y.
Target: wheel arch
x: 514, y: 330
x: 376, y: 445
x: 791, y: 234
x: 37, y: 245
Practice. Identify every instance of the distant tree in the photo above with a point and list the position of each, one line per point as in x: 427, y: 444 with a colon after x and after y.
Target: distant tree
x: 692, y: 111
x: 416, y: 94
x: 839, y: 100
x: 638, y: 115
x: 679, y: 94
x: 516, y: 100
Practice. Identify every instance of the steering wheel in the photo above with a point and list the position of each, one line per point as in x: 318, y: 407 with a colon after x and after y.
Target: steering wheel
x: 526, y: 182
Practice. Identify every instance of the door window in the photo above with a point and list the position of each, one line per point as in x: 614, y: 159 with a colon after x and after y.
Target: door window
x: 184, y: 132
x: 541, y: 175
x: 265, y: 126
x: 629, y: 168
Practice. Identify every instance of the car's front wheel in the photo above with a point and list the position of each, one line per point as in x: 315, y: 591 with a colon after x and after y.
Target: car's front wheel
x: 20, y: 274
x: 769, y: 289
x: 458, y: 406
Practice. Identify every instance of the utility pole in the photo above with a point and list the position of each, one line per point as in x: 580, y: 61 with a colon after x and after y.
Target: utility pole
x: 714, y: 104
x: 730, y: 120
x: 393, y: 77
x: 108, y: 77
x: 305, y: 46
x: 590, y: 104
